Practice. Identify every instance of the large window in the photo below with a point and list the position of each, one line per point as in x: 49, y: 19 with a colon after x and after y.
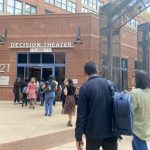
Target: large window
x: 18, y: 8
x: 61, y: 3
x: 93, y: 3
x: 14, y: 7
x: 50, y: 1
x: 133, y: 23
x: 60, y: 58
x: 71, y: 7
x: 10, y: 6
x: 22, y: 58
x: 1, y: 5
x: 83, y: 9
x: 41, y: 65
x: 47, y: 58
x: 34, y: 58
x: 99, y: 4
x: 85, y: 2
x: 30, y: 9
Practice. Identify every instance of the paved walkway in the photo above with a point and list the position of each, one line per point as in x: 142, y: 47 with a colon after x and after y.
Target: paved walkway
x: 26, y: 129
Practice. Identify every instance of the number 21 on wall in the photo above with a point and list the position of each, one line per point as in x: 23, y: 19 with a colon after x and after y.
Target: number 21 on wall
x: 4, y: 68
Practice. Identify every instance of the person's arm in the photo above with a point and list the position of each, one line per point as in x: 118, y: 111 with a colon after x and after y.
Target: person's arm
x: 135, y: 99
x: 81, y: 116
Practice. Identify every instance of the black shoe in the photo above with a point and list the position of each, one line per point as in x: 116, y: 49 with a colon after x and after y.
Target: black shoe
x: 69, y: 124
x: 45, y: 114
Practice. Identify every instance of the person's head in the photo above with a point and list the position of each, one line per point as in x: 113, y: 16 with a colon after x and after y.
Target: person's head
x: 32, y: 79
x: 50, y: 78
x: 141, y: 79
x: 66, y: 82
x: 70, y: 81
x: 18, y: 79
x: 90, y: 68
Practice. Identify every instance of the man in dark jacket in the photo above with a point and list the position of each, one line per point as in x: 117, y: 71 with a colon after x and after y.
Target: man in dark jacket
x: 94, y: 115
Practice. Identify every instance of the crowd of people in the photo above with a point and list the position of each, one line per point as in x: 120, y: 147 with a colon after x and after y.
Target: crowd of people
x: 94, y: 111
x: 47, y: 92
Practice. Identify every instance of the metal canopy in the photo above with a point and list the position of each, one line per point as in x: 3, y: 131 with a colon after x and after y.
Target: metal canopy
x: 121, y: 12
x: 113, y: 16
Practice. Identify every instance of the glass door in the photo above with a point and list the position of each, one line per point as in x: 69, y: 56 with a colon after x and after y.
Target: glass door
x: 46, y: 72
x: 35, y: 72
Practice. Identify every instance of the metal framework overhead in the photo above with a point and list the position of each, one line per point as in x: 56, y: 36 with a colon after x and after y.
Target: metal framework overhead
x: 113, y: 16
x: 144, y: 47
x: 3, y: 38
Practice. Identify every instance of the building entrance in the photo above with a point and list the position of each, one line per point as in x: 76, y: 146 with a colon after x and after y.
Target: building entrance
x: 41, y: 65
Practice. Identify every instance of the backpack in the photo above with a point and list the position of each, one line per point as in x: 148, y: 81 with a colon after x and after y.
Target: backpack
x: 122, y: 112
x: 24, y: 90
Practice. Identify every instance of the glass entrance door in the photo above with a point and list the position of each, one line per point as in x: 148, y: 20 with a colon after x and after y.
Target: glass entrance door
x: 46, y: 72
x: 35, y: 72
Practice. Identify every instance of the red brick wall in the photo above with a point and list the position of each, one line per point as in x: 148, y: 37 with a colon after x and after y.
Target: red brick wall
x: 54, y: 28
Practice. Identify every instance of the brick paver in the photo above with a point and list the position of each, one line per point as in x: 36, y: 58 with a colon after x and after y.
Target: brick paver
x: 41, y: 142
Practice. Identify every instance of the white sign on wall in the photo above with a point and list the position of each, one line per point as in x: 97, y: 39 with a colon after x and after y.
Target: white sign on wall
x: 4, y: 80
x: 41, y: 50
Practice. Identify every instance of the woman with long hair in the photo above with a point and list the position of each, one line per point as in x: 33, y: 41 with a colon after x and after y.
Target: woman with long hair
x: 70, y: 102
x: 31, y: 91
x: 141, y: 102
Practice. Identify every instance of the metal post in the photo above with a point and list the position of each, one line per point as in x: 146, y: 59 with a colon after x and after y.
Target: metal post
x: 110, y: 50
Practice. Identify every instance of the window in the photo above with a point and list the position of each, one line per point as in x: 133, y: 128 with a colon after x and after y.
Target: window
x: 30, y: 9
x: 85, y: 10
x: 20, y: 72
x: 47, y: 58
x: 71, y: 7
x: 60, y: 58
x: 10, y: 6
x: 34, y: 58
x: 48, y: 12
x: 133, y: 23
x: 92, y: 3
x: 22, y: 58
x: 18, y: 8
x: 60, y: 74
x: 1, y: 5
x: 99, y: 4
x: 50, y: 1
x: 61, y: 3
x: 85, y: 2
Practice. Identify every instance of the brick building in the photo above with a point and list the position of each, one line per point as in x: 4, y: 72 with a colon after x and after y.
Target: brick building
x: 42, y: 45
x: 39, y: 45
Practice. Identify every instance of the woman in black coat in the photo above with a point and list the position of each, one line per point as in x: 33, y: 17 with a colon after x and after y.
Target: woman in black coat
x: 17, y: 90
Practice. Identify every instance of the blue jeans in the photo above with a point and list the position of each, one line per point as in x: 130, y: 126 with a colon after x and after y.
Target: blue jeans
x: 138, y: 144
x: 49, y: 99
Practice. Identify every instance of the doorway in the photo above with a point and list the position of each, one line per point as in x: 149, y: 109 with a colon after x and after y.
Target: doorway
x: 46, y: 72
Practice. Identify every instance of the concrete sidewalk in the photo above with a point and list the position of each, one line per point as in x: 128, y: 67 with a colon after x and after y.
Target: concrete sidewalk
x: 27, y: 129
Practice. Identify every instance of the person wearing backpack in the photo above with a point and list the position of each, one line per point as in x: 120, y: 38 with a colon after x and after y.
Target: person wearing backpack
x: 49, y: 89
x: 141, y: 102
x: 94, y: 113
x: 24, y: 91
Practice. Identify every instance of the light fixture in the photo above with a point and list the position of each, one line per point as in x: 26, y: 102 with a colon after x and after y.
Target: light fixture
x: 3, y: 38
x: 78, y: 38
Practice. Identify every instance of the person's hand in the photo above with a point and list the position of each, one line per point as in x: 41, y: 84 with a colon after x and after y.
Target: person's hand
x: 79, y: 145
